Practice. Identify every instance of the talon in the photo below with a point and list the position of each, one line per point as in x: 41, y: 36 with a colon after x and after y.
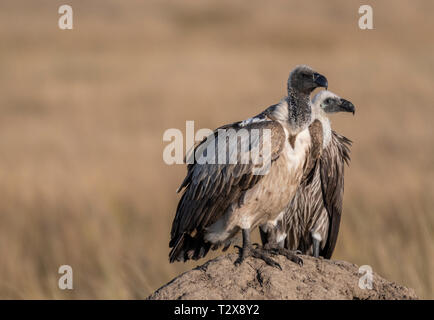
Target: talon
x: 299, y: 261
x: 290, y: 255
x: 248, y: 251
x: 239, y: 249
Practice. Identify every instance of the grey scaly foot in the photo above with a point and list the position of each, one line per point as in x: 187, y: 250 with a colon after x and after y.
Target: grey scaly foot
x: 290, y: 255
x: 248, y: 251
x: 258, y: 253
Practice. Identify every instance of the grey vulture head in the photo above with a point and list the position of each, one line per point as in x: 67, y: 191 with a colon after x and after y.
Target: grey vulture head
x: 304, y: 79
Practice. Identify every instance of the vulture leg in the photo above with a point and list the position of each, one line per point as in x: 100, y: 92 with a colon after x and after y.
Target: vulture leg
x: 316, y: 243
x: 264, y: 236
x: 248, y: 251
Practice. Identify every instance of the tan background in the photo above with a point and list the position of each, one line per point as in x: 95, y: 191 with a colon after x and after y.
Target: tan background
x: 82, y: 115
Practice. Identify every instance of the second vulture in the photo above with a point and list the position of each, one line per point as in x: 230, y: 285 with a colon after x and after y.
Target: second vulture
x: 310, y: 223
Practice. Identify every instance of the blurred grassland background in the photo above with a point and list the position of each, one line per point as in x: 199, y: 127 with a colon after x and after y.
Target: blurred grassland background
x: 82, y: 116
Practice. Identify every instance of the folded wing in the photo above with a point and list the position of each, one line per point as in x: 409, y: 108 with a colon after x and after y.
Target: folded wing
x: 332, y: 164
x: 209, y: 189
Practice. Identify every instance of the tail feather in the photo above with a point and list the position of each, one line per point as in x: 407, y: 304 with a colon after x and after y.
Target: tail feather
x: 187, y: 247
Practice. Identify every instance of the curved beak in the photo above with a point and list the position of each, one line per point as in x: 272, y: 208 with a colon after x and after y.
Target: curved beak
x: 347, y: 106
x: 320, y: 80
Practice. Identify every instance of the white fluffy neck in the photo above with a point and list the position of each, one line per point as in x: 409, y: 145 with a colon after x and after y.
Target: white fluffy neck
x: 280, y: 111
x: 319, y: 114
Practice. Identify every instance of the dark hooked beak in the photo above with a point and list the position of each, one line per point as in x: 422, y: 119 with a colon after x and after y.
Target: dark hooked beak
x: 347, y: 106
x: 320, y: 80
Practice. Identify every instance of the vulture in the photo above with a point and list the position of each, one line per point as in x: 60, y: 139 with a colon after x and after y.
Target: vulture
x: 221, y: 198
x: 311, y: 221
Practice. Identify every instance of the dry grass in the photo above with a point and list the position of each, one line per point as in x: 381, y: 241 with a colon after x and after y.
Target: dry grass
x: 82, y: 181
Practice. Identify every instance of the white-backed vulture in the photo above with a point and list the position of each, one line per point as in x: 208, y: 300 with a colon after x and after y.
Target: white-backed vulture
x: 221, y: 199
x: 311, y: 221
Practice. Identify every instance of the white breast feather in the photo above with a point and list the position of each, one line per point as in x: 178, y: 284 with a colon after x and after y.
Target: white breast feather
x: 297, y: 155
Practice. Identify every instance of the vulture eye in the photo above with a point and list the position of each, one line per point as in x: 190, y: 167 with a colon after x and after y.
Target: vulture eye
x: 327, y: 100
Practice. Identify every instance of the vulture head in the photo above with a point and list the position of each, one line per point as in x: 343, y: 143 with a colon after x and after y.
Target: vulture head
x: 332, y: 103
x: 304, y: 79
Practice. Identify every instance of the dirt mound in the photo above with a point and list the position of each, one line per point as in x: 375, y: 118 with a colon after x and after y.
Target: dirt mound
x: 316, y: 279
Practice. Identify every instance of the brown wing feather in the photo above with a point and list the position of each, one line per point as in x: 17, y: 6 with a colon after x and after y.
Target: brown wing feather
x: 332, y: 165
x: 209, y: 189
